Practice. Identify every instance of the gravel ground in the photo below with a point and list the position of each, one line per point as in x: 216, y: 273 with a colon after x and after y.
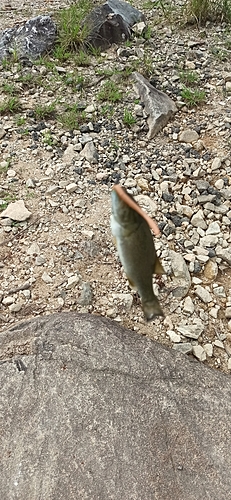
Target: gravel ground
x: 62, y: 257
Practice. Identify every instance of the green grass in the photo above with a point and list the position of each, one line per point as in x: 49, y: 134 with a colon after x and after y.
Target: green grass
x: 128, y: 118
x: 109, y: 92
x: 20, y: 120
x: 9, y: 88
x: 42, y: 111
x: 8, y: 198
x: 11, y: 105
x: 72, y: 117
x: 72, y: 31
x: 208, y: 10
x: 193, y: 97
x: 188, y: 77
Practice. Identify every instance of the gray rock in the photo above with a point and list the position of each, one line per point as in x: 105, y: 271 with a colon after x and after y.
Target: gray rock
x: 210, y: 240
x: 183, y: 348
x: 203, y: 294
x: 188, y: 136
x: 111, y: 23
x: 199, y: 352
x: 31, y: 40
x: 86, y: 295
x: 188, y: 305
x: 182, y: 279
x: 192, y: 331
x: 80, y: 405
x: 197, y: 220
x: 213, y: 228
x: 224, y: 254
x: 216, y: 164
x: 90, y: 152
x: 158, y: 106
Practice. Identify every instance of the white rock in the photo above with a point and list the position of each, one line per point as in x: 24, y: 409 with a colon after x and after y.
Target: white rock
x: 228, y: 312
x: 16, y: 211
x: 197, y: 220
x: 224, y: 254
x: 130, y: 183
x: 90, y: 153
x: 216, y: 164
x: 213, y: 228
x: 72, y: 281
x: 52, y: 190
x: 174, y: 337
x: 214, y: 312
x: 147, y: 204
x: 229, y: 364
x: 88, y: 234
x: 14, y: 308
x: 203, y: 294
x: 71, y: 188
x: 218, y: 343
x: 219, y: 184
x: 46, y: 278
x: 192, y: 331
x: 33, y: 249
x: 188, y: 305
x: 7, y: 301
x: 219, y: 291
x: 199, y: 352
x: 208, y: 349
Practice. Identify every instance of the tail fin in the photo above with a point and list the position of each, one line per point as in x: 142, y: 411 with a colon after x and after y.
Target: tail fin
x: 152, y: 309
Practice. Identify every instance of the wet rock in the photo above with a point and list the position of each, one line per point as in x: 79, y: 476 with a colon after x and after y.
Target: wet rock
x: 31, y: 40
x: 158, y: 106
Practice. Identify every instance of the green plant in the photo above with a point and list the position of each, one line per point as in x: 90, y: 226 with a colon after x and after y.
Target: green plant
x: 47, y: 138
x: 42, y: 111
x: 193, y: 97
x: 188, y: 77
x: 61, y: 53
x: 109, y: 92
x: 128, y: 118
x: 4, y: 202
x: 107, y: 110
x: 20, y: 120
x: 72, y: 117
x: 8, y: 88
x: 82, y: 58
x: 207, y: 10
x: 12, y: 105
x: 72, y: 31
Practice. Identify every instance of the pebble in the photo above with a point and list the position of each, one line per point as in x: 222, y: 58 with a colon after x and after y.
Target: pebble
x: 72, y: 281
x: 16, y: 211
x: 229, y: 364
x: 218, y: 343
x: 216, y: 164
x: 71, y: 188
x: 14, y: 308
x: 184, y: 347
x: 210, y: 270
x: 203, y: 294
x: 199, y: 352
x: 197, y: 220
x: 188, y: 136
x: 228, y: 312
x: 188, y: 306
x: 86, y: 295
x: 193, y: 331
x: 208, y: 348
x: 174, y: 337
x: 46, y: 278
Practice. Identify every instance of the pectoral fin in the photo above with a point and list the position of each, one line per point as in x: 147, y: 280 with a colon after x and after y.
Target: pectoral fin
x: 158, y: 269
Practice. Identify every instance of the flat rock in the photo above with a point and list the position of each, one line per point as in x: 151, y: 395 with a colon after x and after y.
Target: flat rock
x: 203, y: 294
x: 31, y: 40
x: 188, y: 136
x: 158, y: 106
x: 16, y: 211
x: 90, y: 152
x: 84, y: 401
x: 224, y: 254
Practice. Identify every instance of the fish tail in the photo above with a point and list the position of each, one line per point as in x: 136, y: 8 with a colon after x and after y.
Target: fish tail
x: 152, y: 309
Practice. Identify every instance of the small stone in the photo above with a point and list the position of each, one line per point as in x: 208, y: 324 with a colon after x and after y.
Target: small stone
x: 188, y: 305
x: 213, y: 228
x: 14, y: 308
x: 88, y: 234
x: 229, y: 364
x: 214, y: 312
x: 203, y: 294
x: 130, y: 183
x: 143, y: 184
x: 30, y: 183
x: 210, y: 240
x: 71, y: 188
x: 228, y: 87
x: 184, y: 347
x: 211, y: 270
x: 218, y: 343
x: 7, y: 301
x: 188, y: 136
x: 219, y: 291
x: 16, y: 211
x: 46, y: 278
x: 199, y: 352
x: 90, y: 153
x: 86, y: 295
x: 33, y: 249
x: 228, y: 313
x: 174, y: 337
x: 197, y: 220
x: 72, y: 281
x: 192, y: 331
x: 208, y: 348
x: 40, y: 260
x: 216, y: 164
x: 224, y: 254
x: 219, y: 184
x: 125, y: 298
x: 52, y: 190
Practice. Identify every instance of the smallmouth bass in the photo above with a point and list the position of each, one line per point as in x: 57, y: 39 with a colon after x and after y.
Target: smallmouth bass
x: 136, y: 252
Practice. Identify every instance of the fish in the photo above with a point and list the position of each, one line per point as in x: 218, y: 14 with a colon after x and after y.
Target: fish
x: 136, y: 251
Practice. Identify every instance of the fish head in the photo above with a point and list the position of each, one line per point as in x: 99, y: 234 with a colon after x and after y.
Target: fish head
x: 122, y: 213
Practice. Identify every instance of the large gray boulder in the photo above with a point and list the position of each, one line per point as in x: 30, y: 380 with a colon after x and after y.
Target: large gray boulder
x: 91, y: 411
x: 29, y: 41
